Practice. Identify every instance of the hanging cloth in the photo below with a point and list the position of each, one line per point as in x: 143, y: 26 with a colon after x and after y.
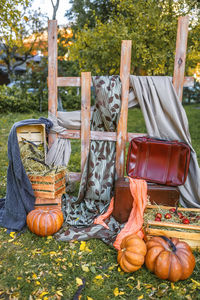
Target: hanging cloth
x: 165, y: 118
x: 99, y: 171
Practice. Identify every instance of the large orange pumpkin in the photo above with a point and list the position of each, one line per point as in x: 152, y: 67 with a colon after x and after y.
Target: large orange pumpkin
x: 132, y: 253
x: 169, y: 258
x: 45, y: 221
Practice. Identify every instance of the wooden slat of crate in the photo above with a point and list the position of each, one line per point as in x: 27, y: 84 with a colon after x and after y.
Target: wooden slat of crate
x: 47, y: 178
x: 49, y: 187
x: 34, y: 133
x: 48, y: 195
x: 192, y: 237
x: 44, y: 202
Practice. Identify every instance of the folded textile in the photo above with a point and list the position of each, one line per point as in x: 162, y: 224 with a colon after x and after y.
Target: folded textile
x: 20, y: 198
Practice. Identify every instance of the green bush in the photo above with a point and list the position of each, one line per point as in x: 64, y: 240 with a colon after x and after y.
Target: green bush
x: 16, y: 99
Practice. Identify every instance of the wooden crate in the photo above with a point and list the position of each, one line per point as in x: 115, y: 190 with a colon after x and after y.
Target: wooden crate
x: 48, y: 189
x: 34, y: 133
x: 189, y: 233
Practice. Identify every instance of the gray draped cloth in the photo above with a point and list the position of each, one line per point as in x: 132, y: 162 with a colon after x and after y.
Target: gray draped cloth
x: 165, y: 118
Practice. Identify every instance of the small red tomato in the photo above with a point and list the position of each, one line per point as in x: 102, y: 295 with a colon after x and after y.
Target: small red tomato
x: 185, y: 221
x: 172, y: 210
x: 158, y: 215
x: 157, y: 219
x: 180, y: 215
x: 168, y: 216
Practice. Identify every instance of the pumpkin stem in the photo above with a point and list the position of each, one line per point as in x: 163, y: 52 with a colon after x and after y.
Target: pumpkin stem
x: 171, y: 244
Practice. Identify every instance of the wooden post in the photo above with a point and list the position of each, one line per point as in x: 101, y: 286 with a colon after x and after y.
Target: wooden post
x: 181, y: 47
x: 52, y: 72
x: 122, y: 125
x: 85, y: 116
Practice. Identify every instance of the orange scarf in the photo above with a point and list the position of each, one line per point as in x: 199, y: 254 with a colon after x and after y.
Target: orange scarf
x: 138, y: 190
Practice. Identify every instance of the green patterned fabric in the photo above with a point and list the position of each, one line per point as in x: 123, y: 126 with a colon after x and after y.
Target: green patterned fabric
x: 96, y: 187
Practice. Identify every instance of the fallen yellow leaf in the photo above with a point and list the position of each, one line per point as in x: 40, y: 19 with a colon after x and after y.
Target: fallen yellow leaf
x: 196, y: 282
x: 59, y: 293
x: 82, y: 246
x: 43, y: 294
x: 85, y: 268
x: 116, y: 292
x: 12, y: 234
x: 98, y: 277
x: 79, y: 281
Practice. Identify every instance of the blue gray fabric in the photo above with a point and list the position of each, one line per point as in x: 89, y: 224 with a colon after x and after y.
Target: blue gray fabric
x: 20, y: 198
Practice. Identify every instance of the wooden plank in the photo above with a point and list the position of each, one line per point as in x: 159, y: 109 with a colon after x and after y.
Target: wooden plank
x: 43, y: 187
x: 49, y: 195
x: 125, y: 65
x: 171, y: 233
x: 188, y: 82
x: 48, y: 202
x: 85, y: 116
x: 68, y: 81
x: 52, y: 72
x: 194, y: 244
x: 47, y: 178
x: 181, y: 47
x: 168, y: 207
x: 99, y: 135
x: 174, y: 225
x: 76, y: 81
x: 74, y: 176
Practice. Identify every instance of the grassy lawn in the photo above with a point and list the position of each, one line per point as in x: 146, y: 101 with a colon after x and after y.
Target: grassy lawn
x: 32, y: 267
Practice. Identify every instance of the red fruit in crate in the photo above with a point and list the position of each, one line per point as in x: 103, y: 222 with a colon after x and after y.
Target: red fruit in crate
x: 157, y: 219
x: 158, y: 215
x: 168, y: 216
x: 180, y: 215
x: 185, y: 221
x: 172, y: 210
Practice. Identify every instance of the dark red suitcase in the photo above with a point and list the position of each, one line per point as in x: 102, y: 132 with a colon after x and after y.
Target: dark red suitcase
x: 158, y: 194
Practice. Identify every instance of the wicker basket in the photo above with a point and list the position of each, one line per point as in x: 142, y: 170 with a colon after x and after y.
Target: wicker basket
x: 185, y: 232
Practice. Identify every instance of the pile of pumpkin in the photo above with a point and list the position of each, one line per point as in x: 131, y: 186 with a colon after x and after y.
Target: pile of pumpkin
x: 168, y: 258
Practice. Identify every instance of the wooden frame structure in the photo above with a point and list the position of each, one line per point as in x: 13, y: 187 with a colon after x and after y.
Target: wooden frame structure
x: 121, y: 136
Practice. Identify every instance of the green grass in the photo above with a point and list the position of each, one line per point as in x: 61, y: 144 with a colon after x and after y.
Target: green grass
x: 33, y: 267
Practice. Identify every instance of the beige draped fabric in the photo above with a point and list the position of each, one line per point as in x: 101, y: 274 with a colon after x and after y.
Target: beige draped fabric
x: 165, y: 118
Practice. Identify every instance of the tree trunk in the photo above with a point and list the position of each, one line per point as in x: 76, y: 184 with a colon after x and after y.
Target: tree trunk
x: 55, y: 8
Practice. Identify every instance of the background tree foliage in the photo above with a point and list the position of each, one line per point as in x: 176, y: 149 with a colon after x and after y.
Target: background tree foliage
x: 150, y: 24
x: 17, y: 22
x: 85, y: 12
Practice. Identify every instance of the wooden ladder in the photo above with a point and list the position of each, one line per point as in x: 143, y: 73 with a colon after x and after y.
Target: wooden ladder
x: 121, y: 136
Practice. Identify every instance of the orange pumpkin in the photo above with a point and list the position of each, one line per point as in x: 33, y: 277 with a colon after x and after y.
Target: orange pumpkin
x: 132, y: 253
x: 45, y: 221
x: 169, y: 258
